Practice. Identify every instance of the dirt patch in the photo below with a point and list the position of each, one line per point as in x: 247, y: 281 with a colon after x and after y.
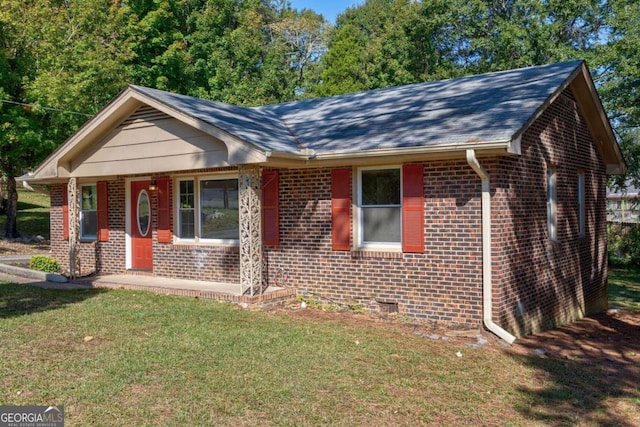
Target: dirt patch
x: 585, y: 373
x: 611, y: 338
x: 11, y: 248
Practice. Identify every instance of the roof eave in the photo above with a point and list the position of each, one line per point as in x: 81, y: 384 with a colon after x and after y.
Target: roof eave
x: 598, y: 122
x: 338, y: 157
x: 585, y: 92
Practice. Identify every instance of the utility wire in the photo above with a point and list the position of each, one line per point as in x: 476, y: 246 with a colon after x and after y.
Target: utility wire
x: 45, y: 108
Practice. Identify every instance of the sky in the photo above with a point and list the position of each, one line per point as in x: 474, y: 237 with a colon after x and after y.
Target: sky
x: 328, y: 8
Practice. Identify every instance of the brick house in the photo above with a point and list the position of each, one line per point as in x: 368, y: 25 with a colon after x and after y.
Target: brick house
x: 477, y: 200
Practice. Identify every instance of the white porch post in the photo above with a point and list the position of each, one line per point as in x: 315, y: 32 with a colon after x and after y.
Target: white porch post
x: 74, y: 227
x: 250, y: 229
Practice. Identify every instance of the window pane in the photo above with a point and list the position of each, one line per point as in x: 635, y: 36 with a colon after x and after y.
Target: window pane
x: 381, y: 187
x: 551, y: 204
x: 89, y: 223
x: 88, y: 206
x: 89, y: 198
x: 219, y: 209
x: 186, y: 210
x: 144, y: 213
x: 187, y: 224
x: 381, y: 225
x: 186, y: 194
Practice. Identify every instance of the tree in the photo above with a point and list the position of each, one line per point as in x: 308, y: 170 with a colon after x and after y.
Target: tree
x: 303, y: 38
x: 369, y: 48
x: 618, y: 78
x: 21, y: 137
x: 57, y: 57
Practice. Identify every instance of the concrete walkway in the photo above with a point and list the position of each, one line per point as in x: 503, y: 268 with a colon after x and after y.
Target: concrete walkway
x: 231, y: 292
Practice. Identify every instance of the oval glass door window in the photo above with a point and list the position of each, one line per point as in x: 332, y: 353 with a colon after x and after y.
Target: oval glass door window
x: 144, y: 213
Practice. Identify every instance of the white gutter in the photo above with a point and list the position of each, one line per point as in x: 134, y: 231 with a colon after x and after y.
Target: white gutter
x: 24, y: 179
x: 441, y: 148
x: 487, y: 279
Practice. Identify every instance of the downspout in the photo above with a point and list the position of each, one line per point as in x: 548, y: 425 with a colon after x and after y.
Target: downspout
x: 487, y: 279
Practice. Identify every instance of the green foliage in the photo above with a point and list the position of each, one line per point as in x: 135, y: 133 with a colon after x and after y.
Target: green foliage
x: 385, y: 43
x: 623, y: 242
x: 44, y: 263
x: 371, y: 48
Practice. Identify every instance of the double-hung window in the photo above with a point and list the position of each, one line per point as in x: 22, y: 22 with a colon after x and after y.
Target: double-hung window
x: 379, y: 207
x: 88, y: 211
x: 208, y: 209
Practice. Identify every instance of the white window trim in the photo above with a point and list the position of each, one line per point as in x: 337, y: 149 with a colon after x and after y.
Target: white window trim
x: 197, y: 214
x: 552, y: 203
x: 359, y: 215
x: 581, y: 204
x: 87, y: 237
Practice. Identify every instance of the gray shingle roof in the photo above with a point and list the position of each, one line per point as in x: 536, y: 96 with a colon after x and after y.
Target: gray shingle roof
x: 483, y: 108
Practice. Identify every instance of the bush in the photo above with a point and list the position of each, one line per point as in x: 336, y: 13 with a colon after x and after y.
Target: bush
x: 623, y: 244
x: 44, y: 263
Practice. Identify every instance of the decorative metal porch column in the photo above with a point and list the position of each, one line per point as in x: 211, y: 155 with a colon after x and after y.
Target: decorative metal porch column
x: 250, y: 229
x: 74, y: 227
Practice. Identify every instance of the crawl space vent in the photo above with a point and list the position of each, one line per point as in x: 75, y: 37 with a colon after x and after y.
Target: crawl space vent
x: 388, y: 307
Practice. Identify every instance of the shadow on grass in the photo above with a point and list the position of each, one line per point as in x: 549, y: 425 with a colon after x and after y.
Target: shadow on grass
x: 19, y: 300
x: 22, y: 206
x: 624, y: 288
x: 589, y: 364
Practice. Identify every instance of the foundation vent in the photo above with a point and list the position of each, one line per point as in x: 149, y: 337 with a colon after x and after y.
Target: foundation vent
x: 388, y: 307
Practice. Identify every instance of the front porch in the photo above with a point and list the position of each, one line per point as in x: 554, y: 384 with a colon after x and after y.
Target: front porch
x: 227, y: 292
x: 11, y: 269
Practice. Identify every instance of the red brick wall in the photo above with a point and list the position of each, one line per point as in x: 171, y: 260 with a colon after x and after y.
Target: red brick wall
x: 59, y: 247
x: 539, y: 283
x: 105, y: 257
x: 442, y: 284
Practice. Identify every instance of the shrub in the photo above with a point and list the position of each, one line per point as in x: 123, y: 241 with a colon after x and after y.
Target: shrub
x: 623, y: 244
x: 44, y: 263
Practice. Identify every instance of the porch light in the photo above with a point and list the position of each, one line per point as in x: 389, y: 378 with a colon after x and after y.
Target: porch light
x: 153, y: 186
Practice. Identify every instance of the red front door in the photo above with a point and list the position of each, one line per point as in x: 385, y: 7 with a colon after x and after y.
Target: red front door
x: 141, y: 243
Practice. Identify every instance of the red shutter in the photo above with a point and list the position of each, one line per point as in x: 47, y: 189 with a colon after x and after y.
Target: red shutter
x: 270, y: 208
x: 413, y: 208
x: 103, y: 212
x: 341, y: 209
x: 65, y: 212
x: 164, y: 210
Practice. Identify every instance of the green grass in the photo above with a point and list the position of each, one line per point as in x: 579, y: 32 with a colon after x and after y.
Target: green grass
x: 33, y: 214
x: 624, y: 288
x: 136, y: 358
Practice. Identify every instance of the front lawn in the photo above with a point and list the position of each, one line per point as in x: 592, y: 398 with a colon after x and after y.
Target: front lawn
x: 624, y: 288
x: 33, y: 214
x: 136, y: 358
